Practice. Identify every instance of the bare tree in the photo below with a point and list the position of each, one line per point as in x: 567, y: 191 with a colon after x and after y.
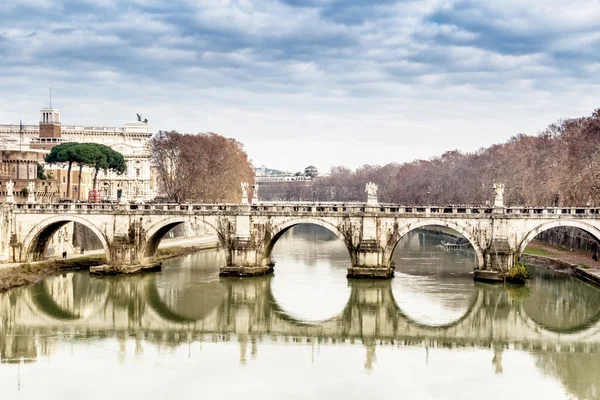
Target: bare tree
x: 203, y: 167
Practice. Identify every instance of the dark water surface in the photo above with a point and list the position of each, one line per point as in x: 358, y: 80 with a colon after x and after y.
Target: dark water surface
x: 306, y: 332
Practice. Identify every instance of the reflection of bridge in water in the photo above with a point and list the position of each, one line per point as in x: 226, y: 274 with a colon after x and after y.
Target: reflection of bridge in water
x: 79, y: 306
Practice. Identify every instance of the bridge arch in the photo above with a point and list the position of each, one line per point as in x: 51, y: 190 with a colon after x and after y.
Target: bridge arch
x: 592, y: 230
x: 403, y: 230
x: 36, y: 241
x: 278, y: 230
x: 156, y: 232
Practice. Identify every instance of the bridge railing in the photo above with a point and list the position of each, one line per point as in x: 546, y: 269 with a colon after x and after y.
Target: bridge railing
x: 303, y: 207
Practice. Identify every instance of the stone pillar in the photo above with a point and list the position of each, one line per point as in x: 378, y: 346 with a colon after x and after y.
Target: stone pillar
x: 368, y: 259
x: 245, y: 257
x: 123, y: 252
x: 498, y: 258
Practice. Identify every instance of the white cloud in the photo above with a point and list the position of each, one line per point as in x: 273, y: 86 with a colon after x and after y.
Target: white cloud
x: 385, y: 82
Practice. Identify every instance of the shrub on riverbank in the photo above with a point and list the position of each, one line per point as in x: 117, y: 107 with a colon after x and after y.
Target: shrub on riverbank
x: 518, y: 273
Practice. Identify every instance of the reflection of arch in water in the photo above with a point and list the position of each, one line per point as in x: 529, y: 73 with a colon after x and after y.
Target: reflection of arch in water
x: 282, y: 228
x: 593, y: 231
x: 45, y: 302
x: 434, y: 222
x: 569, y: 300
x: 202, y: 309
x: 371, y: 295
x: 475, y: 303
x: 294, y: 316
x: 36, y: 241
x: 157, y: 231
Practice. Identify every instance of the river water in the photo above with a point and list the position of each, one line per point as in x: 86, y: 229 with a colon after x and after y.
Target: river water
x: 305, y: 332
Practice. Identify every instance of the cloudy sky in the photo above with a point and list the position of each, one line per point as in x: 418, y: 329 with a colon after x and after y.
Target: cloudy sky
x: 322, y: 82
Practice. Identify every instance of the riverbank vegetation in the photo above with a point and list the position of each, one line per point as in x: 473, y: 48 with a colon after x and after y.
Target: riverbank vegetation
x: 558, y: 166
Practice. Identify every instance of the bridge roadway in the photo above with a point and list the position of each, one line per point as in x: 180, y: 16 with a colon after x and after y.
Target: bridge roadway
x: 81, y: 306
x: 130, y: 233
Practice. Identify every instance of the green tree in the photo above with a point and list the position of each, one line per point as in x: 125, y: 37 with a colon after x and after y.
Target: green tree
x: 107, y: 159
x: 84, y: 154
x: 93, y: 155
x: 62, y: 154
x: 41, y: 173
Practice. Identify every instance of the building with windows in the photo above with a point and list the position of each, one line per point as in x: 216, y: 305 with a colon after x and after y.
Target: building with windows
x: 21, y: 167
x: 275, y: 185
x: 132, y: 140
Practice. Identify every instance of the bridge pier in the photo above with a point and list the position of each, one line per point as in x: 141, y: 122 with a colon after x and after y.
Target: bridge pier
x: 244, y: 259
x: 368, y: 262
x: 498, y: 258
x: 123, y: 252
x: 368, y: 258
x: 244, y: 256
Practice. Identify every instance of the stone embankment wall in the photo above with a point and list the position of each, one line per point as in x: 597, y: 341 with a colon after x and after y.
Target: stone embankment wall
x: 567, y: 238
x: 83, y: 236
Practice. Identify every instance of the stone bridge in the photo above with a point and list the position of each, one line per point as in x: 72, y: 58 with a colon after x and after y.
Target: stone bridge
x: 131, y: 233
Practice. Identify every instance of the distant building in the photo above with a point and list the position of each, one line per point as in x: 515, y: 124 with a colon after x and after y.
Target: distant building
x: 275, y: 185
x: 132, y: 140
x: 311, y: 171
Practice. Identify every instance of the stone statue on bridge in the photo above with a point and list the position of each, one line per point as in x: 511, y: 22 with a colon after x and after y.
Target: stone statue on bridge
x: 371, y: 190
x: 244, y: 186
x: 10, y: 197
x: 31, y: 192
x: 254, y: 193
x: 499, y: 195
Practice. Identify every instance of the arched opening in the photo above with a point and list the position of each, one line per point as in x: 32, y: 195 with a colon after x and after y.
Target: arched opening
x: 575, y: 242
x: 311, y: 263
x: 37, y: 240
x: 202, y: 232
x: 433, y: 269
x: 282, y: 229
x: 450, y: 229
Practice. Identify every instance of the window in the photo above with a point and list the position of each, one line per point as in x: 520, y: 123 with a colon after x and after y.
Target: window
x: 64, y: 179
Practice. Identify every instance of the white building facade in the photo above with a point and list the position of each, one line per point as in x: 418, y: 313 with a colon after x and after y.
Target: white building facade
x: 132, y: 140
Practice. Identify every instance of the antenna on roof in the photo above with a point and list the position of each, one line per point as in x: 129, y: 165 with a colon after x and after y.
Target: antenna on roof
x: 50, y: 96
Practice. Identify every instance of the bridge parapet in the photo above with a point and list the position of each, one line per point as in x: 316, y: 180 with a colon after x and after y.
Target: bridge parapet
x: 247, y: 233
x: 287, y: 208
